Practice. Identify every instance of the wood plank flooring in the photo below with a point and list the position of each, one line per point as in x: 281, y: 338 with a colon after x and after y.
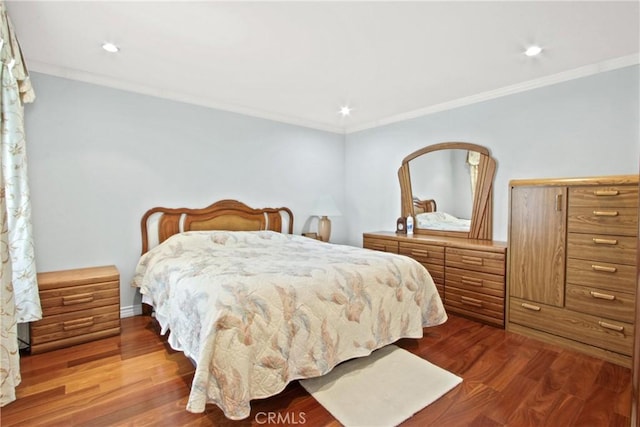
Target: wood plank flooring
x: 137, y: 380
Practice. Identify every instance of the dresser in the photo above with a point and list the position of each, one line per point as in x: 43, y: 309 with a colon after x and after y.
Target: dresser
x: 469, y: 274
x: 572, y: 263
x: 78, y: 305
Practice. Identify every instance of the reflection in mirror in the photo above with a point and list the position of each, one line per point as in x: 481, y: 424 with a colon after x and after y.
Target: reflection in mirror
x: 447, y: 188
x: 443, y: 184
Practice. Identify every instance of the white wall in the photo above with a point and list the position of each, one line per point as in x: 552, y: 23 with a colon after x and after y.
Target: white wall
x: 99, y: 158
x: 583, y: 127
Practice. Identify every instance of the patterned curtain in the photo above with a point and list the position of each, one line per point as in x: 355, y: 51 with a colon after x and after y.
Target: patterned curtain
x: 18, y: 281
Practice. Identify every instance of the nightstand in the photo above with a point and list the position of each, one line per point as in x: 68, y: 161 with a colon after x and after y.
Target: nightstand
x: 78, y: 306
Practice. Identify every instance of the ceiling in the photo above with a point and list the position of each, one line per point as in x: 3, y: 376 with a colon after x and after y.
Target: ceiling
x: 299, y: 62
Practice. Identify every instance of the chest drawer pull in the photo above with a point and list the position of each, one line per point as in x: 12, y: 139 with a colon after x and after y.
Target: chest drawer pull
x: 471, y: 260
x: 599, y: 241
x: 602, y: 296
x: 77, y: 299
x: 605, y: 213
x: 77, y: 323
x: 471, y: 281
x: 606, y: 192
x: 471, y: 301
x: 603, y: 268
x: 606, y: 325
x: 530, y: 306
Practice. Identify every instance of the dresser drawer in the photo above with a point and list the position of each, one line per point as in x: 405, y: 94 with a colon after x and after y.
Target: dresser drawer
x: 602, y: 275
x: 67, y: 325
x: 617, y: 196
x: 597, y: 331
x: 431, y: 254
x: 603, y: 248
x: 382, y: 245
x: 484, y: 283
x: 488, y: 307
x: 79, y: 298
x: 486, y: 262
x: 614, y: 220
x: 599, y: 302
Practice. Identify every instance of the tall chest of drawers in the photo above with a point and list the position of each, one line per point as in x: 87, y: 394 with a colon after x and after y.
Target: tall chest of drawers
x: 78, y: 306
x: 469, y: 274
x: 572, y: 263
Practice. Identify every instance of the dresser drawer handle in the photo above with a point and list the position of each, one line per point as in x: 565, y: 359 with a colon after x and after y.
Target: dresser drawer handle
x: 420, y: 253
x: 602, y: 296
x: 471, y: 301
x: 70, y: 325
x: 471, y: 281
x: 77, y: 299
x: 606, y: 192
x: 603, y: 268
x: 599, y: 241
x: 530, y: 306
x: 605, y: 213
x: 472, y: 260
x: 606, y: 325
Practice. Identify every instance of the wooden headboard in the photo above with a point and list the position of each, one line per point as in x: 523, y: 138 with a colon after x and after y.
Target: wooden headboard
x: 158, y: 224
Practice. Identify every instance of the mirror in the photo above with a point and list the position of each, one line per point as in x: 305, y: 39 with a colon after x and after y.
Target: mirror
x: 447, y: 188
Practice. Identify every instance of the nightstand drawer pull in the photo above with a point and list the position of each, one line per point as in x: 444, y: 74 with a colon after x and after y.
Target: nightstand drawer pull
x: 471, y: 301
x: 605, y: 213
x: 77, y: 324
x: 606, y: 325
x: 77, y: 299
x: 530, y: 306
x: 471, y: 281
x: 606, y: 192
x: 472, y: 260
x: 599, y: 241
x: 603, y: 268
x: 602, y: 296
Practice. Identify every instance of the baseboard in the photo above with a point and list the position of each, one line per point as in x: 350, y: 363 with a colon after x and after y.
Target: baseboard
x: 130, y: 311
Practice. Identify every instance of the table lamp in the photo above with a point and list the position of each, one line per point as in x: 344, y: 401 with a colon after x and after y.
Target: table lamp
x: 325, y: 207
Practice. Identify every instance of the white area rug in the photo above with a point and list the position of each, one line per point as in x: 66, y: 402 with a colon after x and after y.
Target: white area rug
x: 382, y: 389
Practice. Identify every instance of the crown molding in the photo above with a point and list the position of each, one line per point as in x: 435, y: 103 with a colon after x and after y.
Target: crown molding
x: 101, y: 80
x: 83, y: 76
x: 588, y: 70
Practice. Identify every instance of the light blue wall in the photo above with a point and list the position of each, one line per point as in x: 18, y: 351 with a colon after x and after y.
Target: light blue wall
x: 583, y: 127
x: 100, y: 157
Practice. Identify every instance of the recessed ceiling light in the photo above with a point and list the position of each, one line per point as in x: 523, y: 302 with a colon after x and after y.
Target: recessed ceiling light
x: 110, y: 47
x: 345, y: 110
x: 533, y: 50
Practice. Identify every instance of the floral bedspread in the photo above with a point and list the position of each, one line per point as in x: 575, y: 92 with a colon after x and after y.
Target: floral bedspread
x: 256, y: 310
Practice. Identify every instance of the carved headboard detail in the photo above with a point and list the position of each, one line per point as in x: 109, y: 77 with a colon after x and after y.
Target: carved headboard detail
x: 158, y: 224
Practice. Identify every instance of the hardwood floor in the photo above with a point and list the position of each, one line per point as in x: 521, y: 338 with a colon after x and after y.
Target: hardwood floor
x: 136, y: 379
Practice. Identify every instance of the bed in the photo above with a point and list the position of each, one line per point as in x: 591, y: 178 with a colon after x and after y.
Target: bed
x: 256, y: 307
x: 428, y: 217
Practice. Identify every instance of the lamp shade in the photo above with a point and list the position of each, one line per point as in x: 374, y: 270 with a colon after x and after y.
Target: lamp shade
x: 325, y: 206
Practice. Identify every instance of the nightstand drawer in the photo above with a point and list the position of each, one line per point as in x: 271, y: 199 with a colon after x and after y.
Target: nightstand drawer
x: 65, y: 300
x: 77, y: 323
x: 78, y: 306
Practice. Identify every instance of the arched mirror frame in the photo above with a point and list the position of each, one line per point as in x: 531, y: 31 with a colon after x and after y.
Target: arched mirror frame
x: 482, y: 210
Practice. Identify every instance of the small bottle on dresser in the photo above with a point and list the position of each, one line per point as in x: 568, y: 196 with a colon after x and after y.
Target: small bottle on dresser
x: 409, y: 225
